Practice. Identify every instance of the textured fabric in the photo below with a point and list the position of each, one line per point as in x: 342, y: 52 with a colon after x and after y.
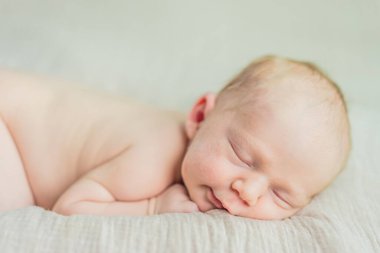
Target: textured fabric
x: 344, y: 218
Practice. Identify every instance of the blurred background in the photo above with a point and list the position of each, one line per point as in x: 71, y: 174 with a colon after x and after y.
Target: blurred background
x: 169, y: 52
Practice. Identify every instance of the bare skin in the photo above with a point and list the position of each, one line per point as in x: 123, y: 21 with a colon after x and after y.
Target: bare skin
x: 79, y: 152
x: 76, y: 151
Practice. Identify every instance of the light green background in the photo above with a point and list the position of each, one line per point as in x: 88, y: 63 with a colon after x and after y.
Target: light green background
x: 168, y: 52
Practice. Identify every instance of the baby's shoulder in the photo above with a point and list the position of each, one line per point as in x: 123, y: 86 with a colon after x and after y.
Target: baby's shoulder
x: 153, y: 157
x: 163, y: 142
x: 163, y: 131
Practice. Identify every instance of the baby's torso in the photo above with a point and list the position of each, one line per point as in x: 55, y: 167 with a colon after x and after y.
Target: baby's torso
x: 62, y: 133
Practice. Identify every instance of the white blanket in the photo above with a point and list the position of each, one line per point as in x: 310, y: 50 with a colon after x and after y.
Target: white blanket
x: 344, y: 218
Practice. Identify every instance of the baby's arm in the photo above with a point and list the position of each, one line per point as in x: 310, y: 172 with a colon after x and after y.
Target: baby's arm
x: 86, y: 196
x: 173, y: 200
x: 114, y: 189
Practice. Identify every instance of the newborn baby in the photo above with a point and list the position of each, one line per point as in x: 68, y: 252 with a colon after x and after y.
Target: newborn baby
x: 273, y: 138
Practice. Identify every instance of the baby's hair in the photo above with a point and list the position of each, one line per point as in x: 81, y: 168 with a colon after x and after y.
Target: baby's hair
x: 262, y: 72
x: 267, y: 67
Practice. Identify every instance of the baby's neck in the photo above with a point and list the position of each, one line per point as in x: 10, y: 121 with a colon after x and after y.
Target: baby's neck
x: 180, y: 117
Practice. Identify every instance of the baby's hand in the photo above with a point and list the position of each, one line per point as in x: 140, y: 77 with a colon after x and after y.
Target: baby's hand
x: 175, y: 200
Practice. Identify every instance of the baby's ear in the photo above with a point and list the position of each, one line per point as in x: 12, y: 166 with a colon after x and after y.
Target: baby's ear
x: 199, y: 112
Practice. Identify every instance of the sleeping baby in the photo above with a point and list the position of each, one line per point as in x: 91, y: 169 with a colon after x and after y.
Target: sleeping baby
x: 263, y: 147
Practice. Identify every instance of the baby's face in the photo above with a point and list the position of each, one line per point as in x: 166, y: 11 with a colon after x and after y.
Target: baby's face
x: 266, y: 166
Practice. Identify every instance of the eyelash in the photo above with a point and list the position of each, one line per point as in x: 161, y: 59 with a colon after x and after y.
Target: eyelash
x: 238, y: 156
x: 281, y: 199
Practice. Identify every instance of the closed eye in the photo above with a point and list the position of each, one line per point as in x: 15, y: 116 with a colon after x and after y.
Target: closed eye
x: 283, y: 202
x: 237, y: 154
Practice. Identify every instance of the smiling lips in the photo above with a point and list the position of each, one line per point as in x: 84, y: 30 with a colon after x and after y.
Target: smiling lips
x: 214, y: 200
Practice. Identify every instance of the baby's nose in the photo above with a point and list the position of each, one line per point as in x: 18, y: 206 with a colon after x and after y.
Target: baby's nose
x: 249, y: 190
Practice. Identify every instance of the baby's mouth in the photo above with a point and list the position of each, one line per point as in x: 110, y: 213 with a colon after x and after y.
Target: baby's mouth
x: 214, y: 200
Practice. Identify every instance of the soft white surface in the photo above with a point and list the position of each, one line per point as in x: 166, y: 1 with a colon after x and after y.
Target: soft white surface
x: 344, y: 218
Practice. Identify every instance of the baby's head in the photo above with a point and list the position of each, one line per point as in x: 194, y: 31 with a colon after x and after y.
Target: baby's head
x: 273, y: 138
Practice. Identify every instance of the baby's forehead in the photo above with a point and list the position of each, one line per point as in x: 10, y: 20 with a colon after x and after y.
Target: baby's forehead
x: 280, y: 99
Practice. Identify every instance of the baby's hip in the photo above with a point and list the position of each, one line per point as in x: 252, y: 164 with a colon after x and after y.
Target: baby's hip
x: 9, y: 154
x: 15, y: 190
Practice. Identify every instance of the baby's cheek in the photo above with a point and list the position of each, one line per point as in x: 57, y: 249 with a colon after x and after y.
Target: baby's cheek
x: 209, y: 169
x: 201, y: 166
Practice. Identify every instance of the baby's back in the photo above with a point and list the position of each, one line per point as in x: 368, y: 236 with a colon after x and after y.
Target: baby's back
x: 62, y: 132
